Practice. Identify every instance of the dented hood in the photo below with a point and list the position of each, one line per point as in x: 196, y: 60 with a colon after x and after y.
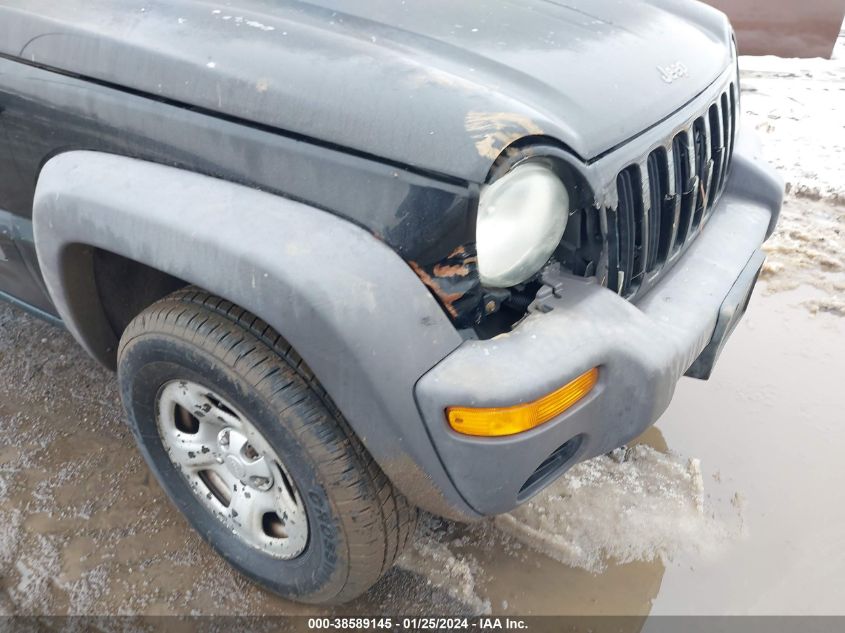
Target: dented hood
x: 442, y: 85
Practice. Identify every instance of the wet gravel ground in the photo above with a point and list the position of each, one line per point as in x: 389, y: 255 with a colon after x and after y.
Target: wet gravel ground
x: 730, y: 505
x: 84, y: 527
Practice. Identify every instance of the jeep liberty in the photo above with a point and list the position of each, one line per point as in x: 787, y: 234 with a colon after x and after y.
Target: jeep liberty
x: 352, y: 259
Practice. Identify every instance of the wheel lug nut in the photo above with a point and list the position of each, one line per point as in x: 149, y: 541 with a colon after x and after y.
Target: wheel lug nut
x: 219, y: 460
x: 224, y: 438
x: 258, y: 482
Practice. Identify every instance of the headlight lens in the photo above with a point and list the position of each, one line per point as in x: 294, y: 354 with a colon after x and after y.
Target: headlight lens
x: 521, y: 220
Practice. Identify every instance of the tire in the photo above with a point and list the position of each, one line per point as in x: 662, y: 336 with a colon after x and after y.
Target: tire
x: 192, y: 345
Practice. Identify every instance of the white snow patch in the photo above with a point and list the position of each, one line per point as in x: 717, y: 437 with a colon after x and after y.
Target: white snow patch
x: 637, y: 505
x: 36, y: 574
x: 453, y: 573
x: 11, y: 523
x: 797, y: 108
x: 808, y: 248
x: 828, y: 305
x: 258, y: 25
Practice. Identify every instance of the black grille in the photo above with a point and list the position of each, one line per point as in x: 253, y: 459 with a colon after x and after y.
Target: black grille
x: 666, y: 200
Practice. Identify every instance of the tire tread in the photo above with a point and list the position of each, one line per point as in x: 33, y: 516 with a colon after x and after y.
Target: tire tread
x: 378, y: 521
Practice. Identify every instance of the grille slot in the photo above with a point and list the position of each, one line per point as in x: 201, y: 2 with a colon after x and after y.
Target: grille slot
x: 701, y: 150
x: 665, y: 200
x: 727, y: 135
x: 717, y: 147
x: 685, y: 186
x: 733, y: 115
x: 661, y: 214
x: 629, y: 226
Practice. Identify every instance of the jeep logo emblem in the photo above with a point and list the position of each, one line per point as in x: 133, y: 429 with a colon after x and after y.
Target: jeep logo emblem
x: 672, y: 73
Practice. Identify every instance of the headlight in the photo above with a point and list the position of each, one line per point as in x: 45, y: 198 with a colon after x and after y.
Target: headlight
x: 521, y: 220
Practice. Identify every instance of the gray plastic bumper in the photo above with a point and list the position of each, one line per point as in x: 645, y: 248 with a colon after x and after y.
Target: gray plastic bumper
x: 642, y: 351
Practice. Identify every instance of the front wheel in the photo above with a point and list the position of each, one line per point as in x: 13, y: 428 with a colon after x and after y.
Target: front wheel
x: 251, y: 449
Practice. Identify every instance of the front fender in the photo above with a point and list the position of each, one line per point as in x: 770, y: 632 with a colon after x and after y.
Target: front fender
x: 349, y: 305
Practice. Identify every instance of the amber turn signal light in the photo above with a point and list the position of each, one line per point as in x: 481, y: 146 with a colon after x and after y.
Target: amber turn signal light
x: 504, y: 421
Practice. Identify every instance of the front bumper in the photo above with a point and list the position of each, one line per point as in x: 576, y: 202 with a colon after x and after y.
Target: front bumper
x: 642, y: 351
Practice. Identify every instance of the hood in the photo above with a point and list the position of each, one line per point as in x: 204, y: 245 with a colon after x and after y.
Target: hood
x: 441, y: 85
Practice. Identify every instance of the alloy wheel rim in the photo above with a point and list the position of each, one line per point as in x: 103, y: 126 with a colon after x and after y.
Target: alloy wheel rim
x: 231, y: 468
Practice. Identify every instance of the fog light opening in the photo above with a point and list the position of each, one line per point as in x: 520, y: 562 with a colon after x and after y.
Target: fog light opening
x: 551, y: 468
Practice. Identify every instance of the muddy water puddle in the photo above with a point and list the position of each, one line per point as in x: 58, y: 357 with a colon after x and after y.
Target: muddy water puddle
x: 771, y: 426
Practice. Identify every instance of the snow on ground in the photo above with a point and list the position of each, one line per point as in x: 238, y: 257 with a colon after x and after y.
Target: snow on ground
x: 432, y: 556
x: 797, y: 107
x: 637, y: 504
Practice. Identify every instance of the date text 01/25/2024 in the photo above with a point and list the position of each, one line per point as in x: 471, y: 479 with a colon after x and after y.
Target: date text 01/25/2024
x: 418, y: 624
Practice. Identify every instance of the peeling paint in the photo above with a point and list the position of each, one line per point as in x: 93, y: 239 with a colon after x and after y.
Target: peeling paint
x: 451, y: 271
x: 455, y: 283
x: 447, y: 299
x: 494, y: 131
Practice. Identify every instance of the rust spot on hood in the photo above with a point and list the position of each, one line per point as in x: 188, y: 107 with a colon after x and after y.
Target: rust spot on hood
x: 494, y: 131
